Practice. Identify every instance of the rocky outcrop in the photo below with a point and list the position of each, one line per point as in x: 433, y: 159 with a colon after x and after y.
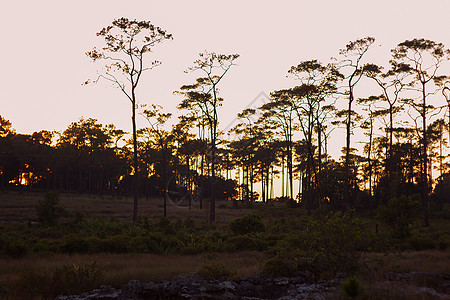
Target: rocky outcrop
x: 192, y: 287
x: 417, y: 284
x: 429, y: 284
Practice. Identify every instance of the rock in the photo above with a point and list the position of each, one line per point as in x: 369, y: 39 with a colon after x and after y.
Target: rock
x: 436, y: 281
x: 192, y: 287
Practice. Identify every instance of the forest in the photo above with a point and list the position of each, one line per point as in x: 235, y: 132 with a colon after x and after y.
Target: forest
x: 391, y: 121
x: 404, y: 125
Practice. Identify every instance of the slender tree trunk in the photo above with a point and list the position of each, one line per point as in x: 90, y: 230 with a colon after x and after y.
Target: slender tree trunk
x: 165, y: 183
x: 370, y: 167
x: 189, y: 183
x: 291, y: 179
x: 212, y: 213
x: 282, y: 177
x: 347, y: 193
x: 251, y: 180
x: 135, y: 162
x: 319, y: 173
x: 425, y: 161
x: 271, y: 182
x: 309, y: 185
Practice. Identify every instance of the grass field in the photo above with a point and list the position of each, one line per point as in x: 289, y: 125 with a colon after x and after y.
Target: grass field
x: 21, y: 207
x: 18, y: 212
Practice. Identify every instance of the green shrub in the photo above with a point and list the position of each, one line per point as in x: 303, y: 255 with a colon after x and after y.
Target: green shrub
x: 114, y: 244
x: 47, y: 210
x: 279, y: 266
x: 352, y: 288
x: 189, y: 225
x: 244, y: 242
x: 3, y: 290
x: 74, y: 244
x: 212, y: 241
x: 400, y: 214
x: 30, y: 284
x: 165, y: 226
x: 45, y: 284
x: 442, y: 245
x: 250, y: 223
x: 335, y: 243
x: 102, y: 228
x: 14, y: 246
x: 421, y: 243
x: 17, y: 248
x: 79, y: 278
x: 214, y: 270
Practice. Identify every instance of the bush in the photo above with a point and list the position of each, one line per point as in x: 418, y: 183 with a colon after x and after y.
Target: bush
x: 189, y: 225
x: 102, y: 228
x: 74, y: 244
x: 114, y: 244
x: 421, y: 243
x: 400, y: 214
x: 31, y: 283
x: 81, y: 278
x: 165, y: 226
x: 47, y: 210
x: 352, y: 287
x: 250, y: 223
x: 17, y: 248
x: 335, y: 244
x: 244, y: 242
x: 44, y: 284
x: 214, y: 270
x: 212, y: 241
x: 279, y: 267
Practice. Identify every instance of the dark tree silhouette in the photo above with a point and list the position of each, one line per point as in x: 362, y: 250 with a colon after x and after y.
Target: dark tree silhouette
x: 127, y: 43
x: 203, y: 96
x: 353, y: 53
x: 161, y: 140
x: 423, y: 58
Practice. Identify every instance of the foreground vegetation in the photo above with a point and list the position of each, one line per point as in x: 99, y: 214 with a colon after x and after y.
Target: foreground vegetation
x: 61, y: 244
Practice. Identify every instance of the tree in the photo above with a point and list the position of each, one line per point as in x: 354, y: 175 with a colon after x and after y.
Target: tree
x: 391, y: 84
x: 318, y: 83
x: 203, y: 96
x: 281, y: 112
x: 86, y: 149
x: 5, y: 127
x: 423, y: 58
x: 127, y: 43
x: 353, y: 53
x: 161, y: 140
x: 369, y: 124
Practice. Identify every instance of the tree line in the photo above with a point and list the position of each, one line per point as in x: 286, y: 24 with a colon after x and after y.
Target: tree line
x: 403, y: 120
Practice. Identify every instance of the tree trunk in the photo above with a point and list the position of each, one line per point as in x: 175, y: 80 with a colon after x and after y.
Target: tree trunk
x: 347, y: 152
x: 212, y: 212
x: 425, y: 161
x: 164, y: 179
x: 135, y: 163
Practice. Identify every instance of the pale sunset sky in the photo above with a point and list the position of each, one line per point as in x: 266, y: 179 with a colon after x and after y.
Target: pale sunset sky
x: 44, y: 44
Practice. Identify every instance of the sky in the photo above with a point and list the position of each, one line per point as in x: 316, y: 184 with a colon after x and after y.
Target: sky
x: 44, y: 43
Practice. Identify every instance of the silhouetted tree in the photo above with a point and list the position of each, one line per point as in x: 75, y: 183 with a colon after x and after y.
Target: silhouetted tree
x: 391, y: 83
x: 353, y: 53
x: 127, y: 43
x: 203, y: 96
x: 423, y: 58
x: 308, y: 101
x: 280, y: 110
x: 161, y: 140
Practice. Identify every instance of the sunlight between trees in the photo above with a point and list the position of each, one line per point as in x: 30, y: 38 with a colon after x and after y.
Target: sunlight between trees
x: 404, y: 123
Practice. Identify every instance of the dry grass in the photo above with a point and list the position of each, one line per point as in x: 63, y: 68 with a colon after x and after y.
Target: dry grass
x: 21, y: 207
x: 120, y: 268
x: 417, y: 261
